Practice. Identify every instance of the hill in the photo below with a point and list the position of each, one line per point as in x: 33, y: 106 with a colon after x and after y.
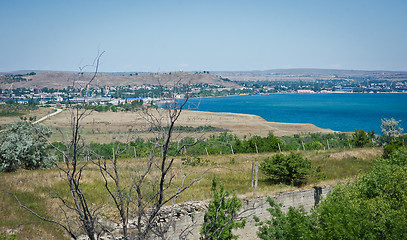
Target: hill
x: 59, y: 80
x: 310, y: 74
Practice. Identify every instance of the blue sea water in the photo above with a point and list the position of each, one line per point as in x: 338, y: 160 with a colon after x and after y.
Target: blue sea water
x: 340, y: 112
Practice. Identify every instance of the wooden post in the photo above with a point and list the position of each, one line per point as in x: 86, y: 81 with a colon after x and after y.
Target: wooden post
x: 279, y: 148
x: 257, y: 170
x: 303, y: 147
x: 257, y: 151
x: 252, y: 174
x: 231, y: 148
x: 135, y: 153
x: 206, y: 151
x: 327, y: 143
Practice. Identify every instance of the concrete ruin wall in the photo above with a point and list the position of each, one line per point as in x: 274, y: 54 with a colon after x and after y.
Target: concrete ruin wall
x: 307, y: 198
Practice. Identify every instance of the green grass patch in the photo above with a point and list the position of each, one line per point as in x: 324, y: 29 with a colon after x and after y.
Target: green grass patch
x: 28, y: 226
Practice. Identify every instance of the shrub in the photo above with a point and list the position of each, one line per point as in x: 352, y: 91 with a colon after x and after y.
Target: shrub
x: 295, y: 224
x: 194, y: 161
x: 361, y: 139
x: 391, y: 147
x: 289, y: 169
x: 222, y: 214
x: 372, y: 207
x: 23, y: 145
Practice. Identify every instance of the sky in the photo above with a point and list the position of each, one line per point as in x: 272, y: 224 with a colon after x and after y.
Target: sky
x: 199, y: 35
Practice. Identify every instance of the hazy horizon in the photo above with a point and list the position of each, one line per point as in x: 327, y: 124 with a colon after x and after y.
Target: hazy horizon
x: 210, y: 71
x: 222, y: 35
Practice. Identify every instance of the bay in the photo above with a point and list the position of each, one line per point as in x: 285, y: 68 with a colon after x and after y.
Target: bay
x: 340, y: 112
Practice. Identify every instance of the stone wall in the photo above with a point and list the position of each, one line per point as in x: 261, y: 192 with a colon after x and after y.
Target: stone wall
x: 193, y: 219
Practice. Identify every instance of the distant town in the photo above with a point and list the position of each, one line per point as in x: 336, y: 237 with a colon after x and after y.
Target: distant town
x: 148, y: 94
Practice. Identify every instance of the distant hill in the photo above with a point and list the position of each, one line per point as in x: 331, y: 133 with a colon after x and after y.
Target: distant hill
x: 305, y: 74
x: 61, y: 80
x: 221, y: 78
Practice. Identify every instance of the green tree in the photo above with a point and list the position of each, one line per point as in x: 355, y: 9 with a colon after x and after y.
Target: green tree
x: 289, y: 169
x: 23, y: 145
x: 222, y: 215
x: 360, y: 139
x: 390, y: 128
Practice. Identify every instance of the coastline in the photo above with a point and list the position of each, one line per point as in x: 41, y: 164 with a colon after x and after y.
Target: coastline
x: 243, y: 124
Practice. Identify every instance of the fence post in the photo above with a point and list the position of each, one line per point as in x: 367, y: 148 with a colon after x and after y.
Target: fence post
x: 252, y: 174
x: 257, y: 170
x: 257, y: 151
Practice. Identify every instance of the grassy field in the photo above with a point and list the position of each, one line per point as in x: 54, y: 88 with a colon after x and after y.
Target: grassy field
x: 34, y: 188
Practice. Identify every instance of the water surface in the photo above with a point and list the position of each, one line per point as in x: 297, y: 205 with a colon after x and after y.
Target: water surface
x: 340, y: 112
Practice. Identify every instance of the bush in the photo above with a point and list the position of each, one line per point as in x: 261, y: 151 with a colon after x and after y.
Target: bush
x: 23, y: 145
x: 289, y: 169
x: 391, y: 147
x: 293, y: 225
x: 361, y: 139
x: 372, y: 207
x: 221, y: 216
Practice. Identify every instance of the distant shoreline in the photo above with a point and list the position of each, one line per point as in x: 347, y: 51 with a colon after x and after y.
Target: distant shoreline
x: 293, y: 93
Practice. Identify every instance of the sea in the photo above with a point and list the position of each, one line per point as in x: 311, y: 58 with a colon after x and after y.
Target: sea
x: 338, y: 111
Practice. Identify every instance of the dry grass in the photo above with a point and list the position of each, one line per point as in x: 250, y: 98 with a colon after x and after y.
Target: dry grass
x: 40, y: 112
x: 35, y: 187
x: 106, y: 127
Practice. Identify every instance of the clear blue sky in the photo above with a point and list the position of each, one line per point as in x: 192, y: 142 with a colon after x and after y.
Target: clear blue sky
x: 189, y: 35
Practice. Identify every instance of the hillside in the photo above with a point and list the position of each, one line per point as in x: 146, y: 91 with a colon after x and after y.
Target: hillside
x: 61, y: 80
x: 310, y: 74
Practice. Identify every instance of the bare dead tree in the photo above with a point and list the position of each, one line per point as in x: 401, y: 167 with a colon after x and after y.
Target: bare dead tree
x: 75, y: 161
x: 145, y: 201
x: 141, y: 201
x: 75, y: 158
